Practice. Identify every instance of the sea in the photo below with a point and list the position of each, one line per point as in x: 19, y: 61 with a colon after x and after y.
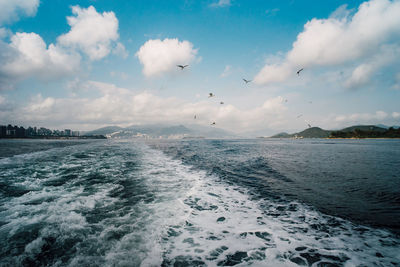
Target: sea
x: 201, y: 202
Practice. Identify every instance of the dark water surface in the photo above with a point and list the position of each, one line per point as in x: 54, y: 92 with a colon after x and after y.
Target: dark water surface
x: 199, y: 203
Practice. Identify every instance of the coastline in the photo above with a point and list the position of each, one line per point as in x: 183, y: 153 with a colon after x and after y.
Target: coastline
x: 57, y: 137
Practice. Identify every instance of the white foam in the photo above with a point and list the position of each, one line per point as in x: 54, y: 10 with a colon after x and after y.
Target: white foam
x: 268, y: 240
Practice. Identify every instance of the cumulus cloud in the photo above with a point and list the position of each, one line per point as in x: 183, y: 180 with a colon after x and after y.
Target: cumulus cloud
x: 161, y: 56
x: 339, y: 39
x: 221, y: 3
x: 11, y: 10
x: 120, y: 106
x: 91, y: 32
x: 27, y: 55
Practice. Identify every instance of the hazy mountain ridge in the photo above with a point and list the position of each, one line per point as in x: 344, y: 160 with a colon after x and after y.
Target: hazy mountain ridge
x: 163, y: 131
x: 362, y: 131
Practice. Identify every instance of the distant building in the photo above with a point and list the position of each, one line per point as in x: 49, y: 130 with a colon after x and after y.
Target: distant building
x: 11, y: 131
x: 3, y: 130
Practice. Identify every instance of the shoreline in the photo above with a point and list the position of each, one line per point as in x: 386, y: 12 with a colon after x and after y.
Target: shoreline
x: 56, y: 137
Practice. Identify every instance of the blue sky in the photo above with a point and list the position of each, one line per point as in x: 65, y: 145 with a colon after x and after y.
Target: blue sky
x: 114, y: 63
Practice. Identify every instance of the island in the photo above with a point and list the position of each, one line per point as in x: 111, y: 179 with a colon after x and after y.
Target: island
x: 354, y: 132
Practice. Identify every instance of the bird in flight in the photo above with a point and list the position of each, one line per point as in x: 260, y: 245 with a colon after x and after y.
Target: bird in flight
x: 210, y: 95
x: 298, y: 72
x: 182, y: 66
x: 246, y: 81
x: 309, y: 125
x: 195, y: 116
x: 221, y: 103
x: 213, y: 123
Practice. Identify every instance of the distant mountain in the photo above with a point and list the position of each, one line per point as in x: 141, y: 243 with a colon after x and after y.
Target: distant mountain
x: 387, y: 127
x: 165, y: 131
x: 313, y: 132
x: 210, y: 131
x: 357, y: 131
x: 158, y: 130
x: 104, y: 130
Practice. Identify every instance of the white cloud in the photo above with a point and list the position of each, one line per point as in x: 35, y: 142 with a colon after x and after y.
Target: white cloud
x: 227, y: 71
x: 91, y: 32
x: 396, y: 115
x: 221, y: 3
x: 376, y: 117
x: 11, y: 10
x: 274, y: 73
x: 120, y: 50
x: 339, y: 39
x: 27, y: 55
x: 158, y: 57
x: 362, y: 74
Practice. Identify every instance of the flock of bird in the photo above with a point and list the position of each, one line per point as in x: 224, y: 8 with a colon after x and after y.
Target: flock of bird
x: 246, y: 81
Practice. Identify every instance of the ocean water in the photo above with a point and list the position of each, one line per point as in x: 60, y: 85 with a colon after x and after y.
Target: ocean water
x: 200, y: 203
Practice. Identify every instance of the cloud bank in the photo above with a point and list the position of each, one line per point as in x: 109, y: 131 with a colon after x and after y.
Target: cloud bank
x: 120, y: 106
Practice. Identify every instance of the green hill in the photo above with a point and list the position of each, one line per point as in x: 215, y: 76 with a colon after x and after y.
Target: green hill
x: 282, y: 135
x: 372, y: 128
x: 314, y: 132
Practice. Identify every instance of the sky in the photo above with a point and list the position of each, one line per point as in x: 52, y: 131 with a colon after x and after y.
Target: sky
x: 92, y: 63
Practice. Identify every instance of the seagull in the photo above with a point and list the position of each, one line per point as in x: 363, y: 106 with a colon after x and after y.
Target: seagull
x: 309, y: 126
x: 246, y: 81
x: 298, y: 72
x: 210, y: 95
x: 221, y: 103
x: 182, y: 66
x: 299, y: 115
x: 213, y: 123
x: 195, y: 117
